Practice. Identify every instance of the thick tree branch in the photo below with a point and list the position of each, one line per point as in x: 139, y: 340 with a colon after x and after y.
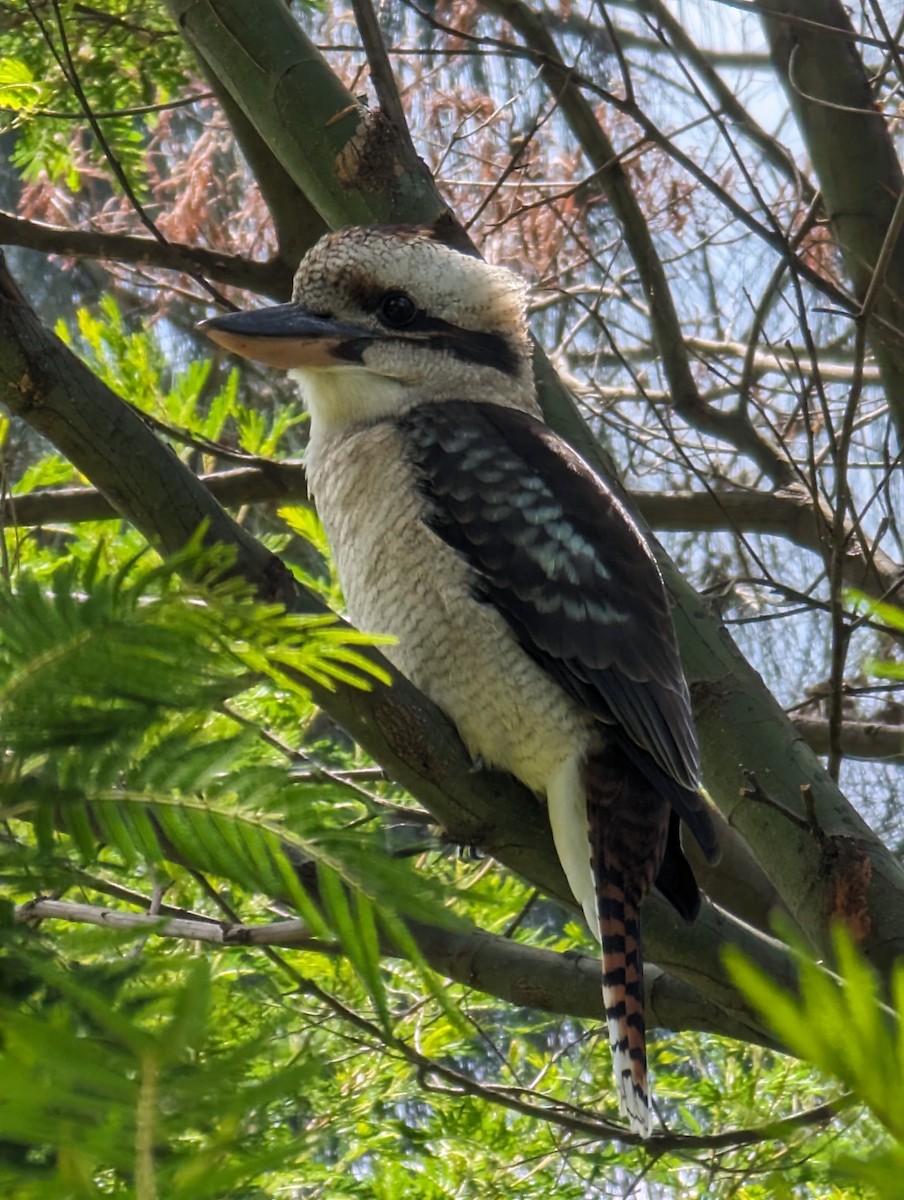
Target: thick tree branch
x: 296, y: 222
x: 854, y: 160
x: 749, y: 512
x: 341, y: 156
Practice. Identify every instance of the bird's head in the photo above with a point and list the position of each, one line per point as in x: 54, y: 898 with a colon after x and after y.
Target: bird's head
x: 382, y: 319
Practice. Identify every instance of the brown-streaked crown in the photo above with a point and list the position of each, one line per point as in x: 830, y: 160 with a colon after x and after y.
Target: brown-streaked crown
x: 347, y: 273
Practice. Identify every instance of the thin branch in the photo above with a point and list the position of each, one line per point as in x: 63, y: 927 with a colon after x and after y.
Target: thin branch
x: 831, y: 105
x: 573, y: 22
x: 869, y: 740
x: 139, y: 110
x: 381, y: 75
x: 844, y: 506
x: 562, y: 984
x: 680, y: 42
x: 272, y: 278
x: 196, y: 929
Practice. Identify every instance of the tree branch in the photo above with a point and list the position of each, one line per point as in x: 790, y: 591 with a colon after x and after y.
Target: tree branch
x: 854, y: 160
x: 296, y: 222
x: 382, y: 78
x: 272, y: 279
x: 859, y: 739
x: 786, y: 514
x: 343, y: 157
x: 563, y: 984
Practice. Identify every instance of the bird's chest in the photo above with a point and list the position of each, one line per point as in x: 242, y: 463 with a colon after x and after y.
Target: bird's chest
x: 400, y: 578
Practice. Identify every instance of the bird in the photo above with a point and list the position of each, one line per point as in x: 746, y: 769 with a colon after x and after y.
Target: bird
x: 522, y: 597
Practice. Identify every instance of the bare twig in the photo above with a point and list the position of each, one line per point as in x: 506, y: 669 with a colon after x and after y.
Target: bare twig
x: 139, y: 110
x: 840, y: 532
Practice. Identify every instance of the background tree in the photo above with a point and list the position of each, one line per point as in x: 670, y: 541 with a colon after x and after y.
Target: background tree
x: 715, y: 265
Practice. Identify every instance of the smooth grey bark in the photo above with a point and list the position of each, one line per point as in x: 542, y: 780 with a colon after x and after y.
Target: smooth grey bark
x: 816, y: 57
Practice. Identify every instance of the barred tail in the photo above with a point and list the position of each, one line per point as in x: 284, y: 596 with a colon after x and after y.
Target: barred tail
x: 628, y: 826
x: 623, y: 994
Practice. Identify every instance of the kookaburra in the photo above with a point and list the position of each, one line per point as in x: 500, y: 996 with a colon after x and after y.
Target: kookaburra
x: 523, y: 599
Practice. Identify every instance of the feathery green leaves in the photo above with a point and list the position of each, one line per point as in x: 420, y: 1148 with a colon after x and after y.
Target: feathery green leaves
x: 839, y: 1022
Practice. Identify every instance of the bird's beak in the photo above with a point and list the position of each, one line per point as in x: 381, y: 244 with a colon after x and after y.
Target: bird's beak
x: 287, y: 336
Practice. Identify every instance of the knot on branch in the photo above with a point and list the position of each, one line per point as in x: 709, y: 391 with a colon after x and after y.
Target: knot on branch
x: 848, y: 872
x: 368, y: 161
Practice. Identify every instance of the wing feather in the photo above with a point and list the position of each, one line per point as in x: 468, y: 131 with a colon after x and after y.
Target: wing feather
x: 559, y: 556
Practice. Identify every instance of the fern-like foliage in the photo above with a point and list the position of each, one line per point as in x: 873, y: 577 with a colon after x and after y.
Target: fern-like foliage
x: 134, y: 363
x: 93, y: 655
x: 33, y: 80
x: 838, y: 1022
x: 134, y: 749
x: 111, y: 709
x: 112, y: 1075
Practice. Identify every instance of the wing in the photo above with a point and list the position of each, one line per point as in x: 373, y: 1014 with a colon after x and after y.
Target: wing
x: 558, y: 555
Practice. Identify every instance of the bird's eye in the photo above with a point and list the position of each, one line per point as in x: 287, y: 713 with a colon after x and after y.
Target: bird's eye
x: 397, y: 309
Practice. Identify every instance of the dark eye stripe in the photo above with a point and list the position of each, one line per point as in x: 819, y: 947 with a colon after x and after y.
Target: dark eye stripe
x: 483, y: 348
x: 469, y: 345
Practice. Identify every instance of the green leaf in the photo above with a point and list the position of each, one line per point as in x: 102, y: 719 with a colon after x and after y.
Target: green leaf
x: 357, y: 934
x: 837, y: 1022
x: 18, y: 87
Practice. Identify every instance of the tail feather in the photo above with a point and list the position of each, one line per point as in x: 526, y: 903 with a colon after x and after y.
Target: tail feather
x: 628, y: 827
x: 619, y: 920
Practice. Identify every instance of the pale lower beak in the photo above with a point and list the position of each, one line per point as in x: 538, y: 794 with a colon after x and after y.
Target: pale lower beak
x: 286, y: 336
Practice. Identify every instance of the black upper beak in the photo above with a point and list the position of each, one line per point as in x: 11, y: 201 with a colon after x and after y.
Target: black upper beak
x: 285, y: 336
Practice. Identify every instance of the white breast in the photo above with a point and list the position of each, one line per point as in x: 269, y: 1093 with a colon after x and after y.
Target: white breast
x: 400, y: 578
